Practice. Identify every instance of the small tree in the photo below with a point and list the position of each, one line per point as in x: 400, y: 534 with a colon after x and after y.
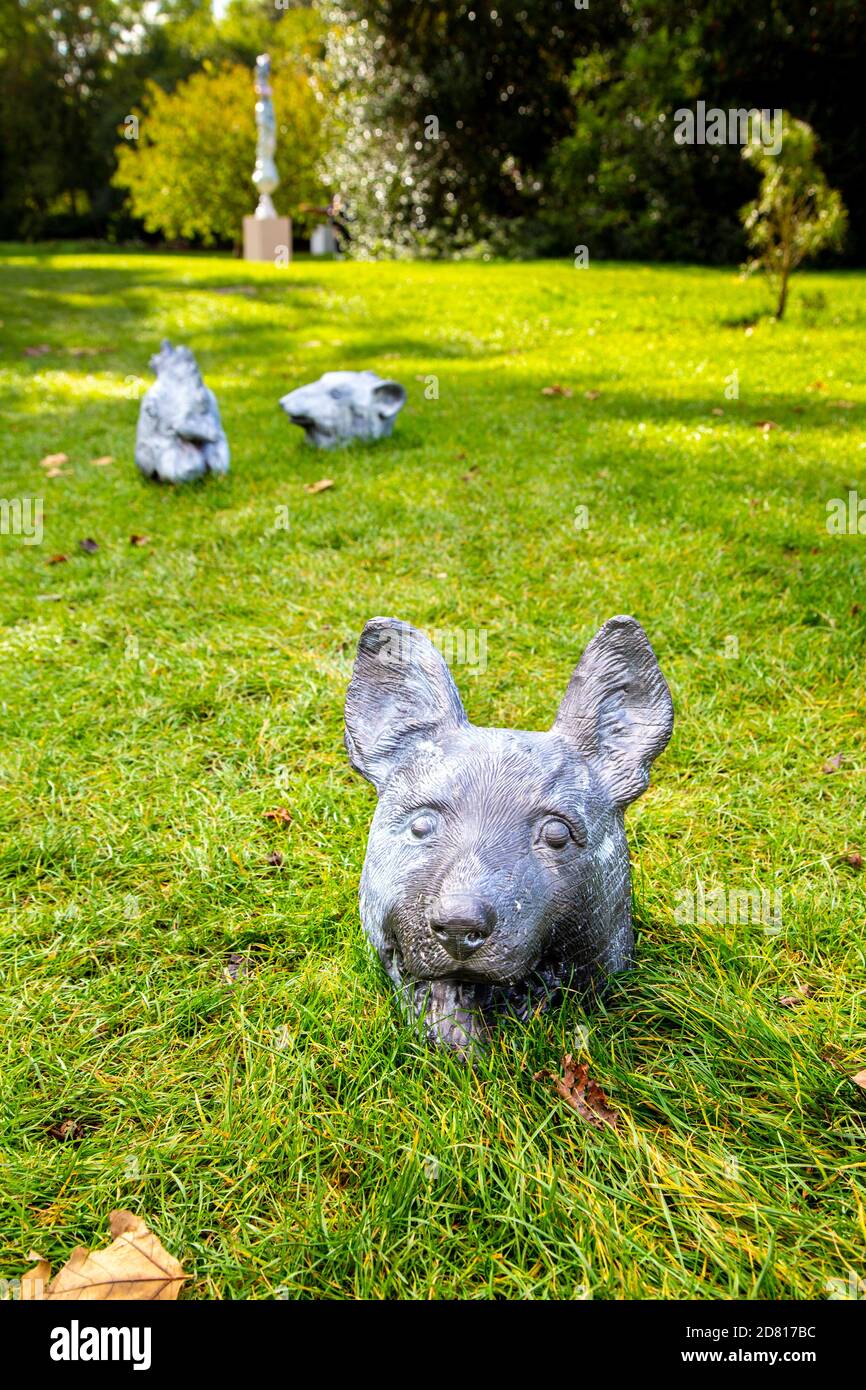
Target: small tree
x: 796, y: 213
x: 189, y: 171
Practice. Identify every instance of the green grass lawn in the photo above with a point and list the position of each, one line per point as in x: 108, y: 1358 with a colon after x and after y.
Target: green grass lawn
x: 229, y: 1057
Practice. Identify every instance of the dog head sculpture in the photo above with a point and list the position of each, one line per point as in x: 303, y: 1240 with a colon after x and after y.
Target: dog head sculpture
x: 180, y: 435
x: 345, y: 405
x: 497, y: 867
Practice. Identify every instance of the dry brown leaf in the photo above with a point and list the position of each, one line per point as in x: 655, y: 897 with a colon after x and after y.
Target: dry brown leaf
x: 717, y: 410
x: 556, y: 390
x: 592, y: 395
x: 135, y: 1266
x: 57, y: 560
x: 582, y: 1094
x: 88, y: 545
x: 53, y: 460
x: 135, y: 539
x: 36, y: 1280
x: 854, y: 858
x: 766, y: 425
x: 103, y: 461
x: 833, y: 764
x: 859, y: 1078
x: 321, y: 486
x: 280, y: 814
x: 792, y: 1001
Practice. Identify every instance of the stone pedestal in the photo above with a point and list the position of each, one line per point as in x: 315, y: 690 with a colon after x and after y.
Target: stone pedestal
x: 268, y: 239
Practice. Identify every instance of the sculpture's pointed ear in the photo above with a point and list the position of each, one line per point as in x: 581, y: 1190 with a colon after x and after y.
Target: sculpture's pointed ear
x: 618, y: 709
x: 389, y: 397
x: 400, y: 694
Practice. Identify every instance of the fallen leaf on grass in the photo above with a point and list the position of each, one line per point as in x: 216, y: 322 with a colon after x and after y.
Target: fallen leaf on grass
x: 38, y: 351
x: 103, y: 461
x: 67, y: 1129
x: 238, y: 968
x: 275, y: 859
x: 321, y: 486
x: 583, y: 1095
x: 717, y: 410
x: 592, y: 395
x: 88, y: 545
x: 36, y: 1280
x: 280, y: 814
x: 139, y: 540
x: 57, y: 560
x: 765, y: 425
x: 854, y: 858
x: 556, y: 390
x: 859, y: 1078
x: 467, y: 477
x: 53, y: 460
x: 833, y: 764
x: 817, y: 386
x: 135, y: 1266
x: 792, y: 1001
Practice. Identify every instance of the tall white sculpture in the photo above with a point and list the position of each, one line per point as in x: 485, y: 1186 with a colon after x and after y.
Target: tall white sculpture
x: 267, y: 237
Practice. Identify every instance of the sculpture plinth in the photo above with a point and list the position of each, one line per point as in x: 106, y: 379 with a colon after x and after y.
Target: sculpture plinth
x: 267, y: 237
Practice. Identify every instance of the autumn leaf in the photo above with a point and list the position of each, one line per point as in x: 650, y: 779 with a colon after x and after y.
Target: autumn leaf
x: 792, y: 1001
x: 833, y: 764
x: 280, y: 814
x: 859, y: 1078
x: 854, y: 858
x: 556, y: 390
x: 717, y: 410
x: 53, y: 460
x: 139, y: 540
x: 57, y: 560
x: 103, y: 461
x: 765, y: 425
x: 582, y: 1094
x: 275, y: 859
x: 321, y: 486
x: 592, y: 395
x: 88, y: 545
x: 134, y: 1266
x: 36, y: 1280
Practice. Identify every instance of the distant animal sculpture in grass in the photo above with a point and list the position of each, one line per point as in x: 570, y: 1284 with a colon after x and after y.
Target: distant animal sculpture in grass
x: 180, y: 436
x: 341, y: 406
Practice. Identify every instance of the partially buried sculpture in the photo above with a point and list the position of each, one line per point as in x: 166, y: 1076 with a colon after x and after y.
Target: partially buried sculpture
x: 180, y: 436
x: 497, y: 866
x: 345, y: 405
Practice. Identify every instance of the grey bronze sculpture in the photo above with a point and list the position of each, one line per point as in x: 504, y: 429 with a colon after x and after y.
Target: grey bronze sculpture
x: 265, y: 176
x: 497, y: 868
x: 345, y: 405
x: 180, y: 436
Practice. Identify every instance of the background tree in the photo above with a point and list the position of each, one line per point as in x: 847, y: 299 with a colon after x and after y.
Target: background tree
x: 188, y: 173
x: 796, y: 213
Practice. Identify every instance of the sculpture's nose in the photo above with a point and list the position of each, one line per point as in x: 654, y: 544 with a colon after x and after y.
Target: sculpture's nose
x: 297, y: 407
x: 462, y: 923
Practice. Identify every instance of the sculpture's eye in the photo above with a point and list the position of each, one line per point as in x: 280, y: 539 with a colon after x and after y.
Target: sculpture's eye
x: 423, y: 825
x: 555, y: 833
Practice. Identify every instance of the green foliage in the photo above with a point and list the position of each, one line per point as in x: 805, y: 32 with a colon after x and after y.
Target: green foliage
x: 188, y: 173
x: 796, y: 214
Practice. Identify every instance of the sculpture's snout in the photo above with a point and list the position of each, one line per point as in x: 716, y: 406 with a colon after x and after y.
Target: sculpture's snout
x: 461, y: 923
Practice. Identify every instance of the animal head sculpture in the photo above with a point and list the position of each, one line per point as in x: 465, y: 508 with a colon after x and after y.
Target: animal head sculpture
x: 180, y: 435
x: 345, y: 405
x: 497, y: 867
